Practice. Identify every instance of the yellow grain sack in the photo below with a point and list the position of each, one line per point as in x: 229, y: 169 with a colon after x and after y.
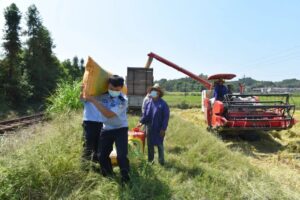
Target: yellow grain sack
x: 135, y: 151
x: 113, y: 157
x: 95, y: 79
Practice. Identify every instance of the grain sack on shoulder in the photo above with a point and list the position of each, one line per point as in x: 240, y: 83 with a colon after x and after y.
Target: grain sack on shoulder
x: 95, y: 79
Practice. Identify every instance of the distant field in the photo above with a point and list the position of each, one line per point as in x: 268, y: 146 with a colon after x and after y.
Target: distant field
x: 183, y: 100
x: 193, y: 99
x: 296, y: 100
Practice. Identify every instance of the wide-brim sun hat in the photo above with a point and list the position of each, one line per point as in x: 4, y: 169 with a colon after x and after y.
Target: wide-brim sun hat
x: 156, y: 87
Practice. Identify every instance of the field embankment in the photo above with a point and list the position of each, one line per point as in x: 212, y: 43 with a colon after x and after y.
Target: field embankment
x: 43, y: 162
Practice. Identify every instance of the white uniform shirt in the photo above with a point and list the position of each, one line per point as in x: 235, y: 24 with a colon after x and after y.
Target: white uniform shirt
x: 91, y: 113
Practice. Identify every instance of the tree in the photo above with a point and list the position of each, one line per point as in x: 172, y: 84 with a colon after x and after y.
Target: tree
x: 82, y: 68
x: 2, y: 91
x: 76, y: 68
x: 40, y: 62
x: 66, y: 67
x: 13, y: 78
x: 71, y: 70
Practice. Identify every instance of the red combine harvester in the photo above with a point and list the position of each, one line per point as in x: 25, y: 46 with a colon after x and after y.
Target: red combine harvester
x: 239, y: 111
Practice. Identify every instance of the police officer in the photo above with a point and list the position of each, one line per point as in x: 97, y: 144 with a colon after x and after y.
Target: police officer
x: 113, y: 107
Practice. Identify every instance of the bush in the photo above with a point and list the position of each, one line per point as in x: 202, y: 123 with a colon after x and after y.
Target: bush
x: 196, y: 94
x: 3, y: 108
x: 183, y: 105
x: 65, y: 98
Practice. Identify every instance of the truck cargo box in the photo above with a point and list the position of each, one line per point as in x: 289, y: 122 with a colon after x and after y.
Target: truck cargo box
x: 138, y: 80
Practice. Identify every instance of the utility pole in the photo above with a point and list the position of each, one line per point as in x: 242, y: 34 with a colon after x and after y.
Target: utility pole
x: 185, y: 88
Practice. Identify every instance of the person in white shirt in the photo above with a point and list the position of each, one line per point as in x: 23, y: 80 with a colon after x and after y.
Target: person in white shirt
x: 113, y: 106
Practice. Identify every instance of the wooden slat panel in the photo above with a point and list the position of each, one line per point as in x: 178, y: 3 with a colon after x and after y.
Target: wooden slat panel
x: 138, y: 80
x: 138, y: 85
x: 143, y: 82
x: 137, y: 92
x: 139, y: 76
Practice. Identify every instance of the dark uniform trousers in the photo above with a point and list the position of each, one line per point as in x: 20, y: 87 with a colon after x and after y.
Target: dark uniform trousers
x: 91, y: 134
x: 107, y: 138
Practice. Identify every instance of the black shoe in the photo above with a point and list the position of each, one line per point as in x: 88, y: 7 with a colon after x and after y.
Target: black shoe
x: 96, y: 169
x: 125, y: 180
x: 108, y: 175
x: 162, y: 163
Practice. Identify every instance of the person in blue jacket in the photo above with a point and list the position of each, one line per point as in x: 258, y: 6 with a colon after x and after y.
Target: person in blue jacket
x: 220, y: 90
x: 156, y: 116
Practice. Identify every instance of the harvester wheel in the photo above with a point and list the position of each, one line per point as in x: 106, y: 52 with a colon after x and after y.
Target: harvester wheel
x: 249, y: 136
x: 214, y: 131
x: 209, y: 129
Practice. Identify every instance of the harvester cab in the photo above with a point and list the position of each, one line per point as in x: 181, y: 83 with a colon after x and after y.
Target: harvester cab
x: 239, y: 111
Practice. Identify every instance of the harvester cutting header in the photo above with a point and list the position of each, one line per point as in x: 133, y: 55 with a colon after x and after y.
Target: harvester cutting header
x: 237, y: 111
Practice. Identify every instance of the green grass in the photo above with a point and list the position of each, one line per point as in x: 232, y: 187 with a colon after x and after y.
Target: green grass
x: 183, y: 101
x: 43, y: 162
x: 295, y: 99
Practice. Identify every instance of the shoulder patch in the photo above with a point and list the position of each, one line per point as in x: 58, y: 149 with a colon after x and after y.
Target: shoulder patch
x: 122, y: 98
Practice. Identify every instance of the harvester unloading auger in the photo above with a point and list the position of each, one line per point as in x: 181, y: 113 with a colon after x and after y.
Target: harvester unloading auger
x: 239, y: 111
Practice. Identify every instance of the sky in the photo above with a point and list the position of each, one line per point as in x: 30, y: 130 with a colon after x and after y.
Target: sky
x: 252, y: 38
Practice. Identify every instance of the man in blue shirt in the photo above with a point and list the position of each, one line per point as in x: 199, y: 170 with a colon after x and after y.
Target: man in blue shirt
x: 113, y: 106
x: 220, y: 90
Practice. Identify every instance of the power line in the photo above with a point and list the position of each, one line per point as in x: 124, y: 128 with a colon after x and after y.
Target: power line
x: 290, y: 52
